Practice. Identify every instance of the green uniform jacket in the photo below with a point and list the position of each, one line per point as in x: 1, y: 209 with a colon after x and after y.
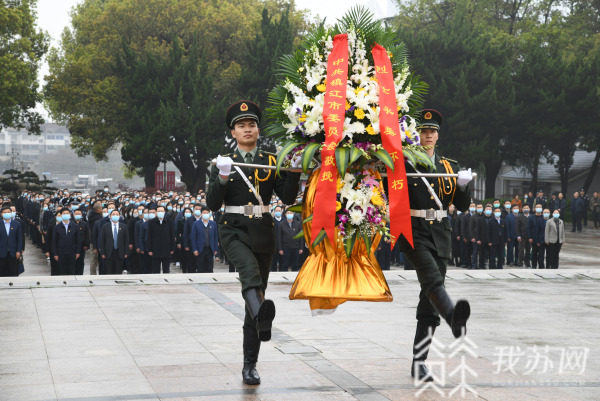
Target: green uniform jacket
x: 433, y: 234
x: 258, y: 234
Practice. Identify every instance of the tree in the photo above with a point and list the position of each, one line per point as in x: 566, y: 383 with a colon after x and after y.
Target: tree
x: 22, y: 47
x: 88, y: 91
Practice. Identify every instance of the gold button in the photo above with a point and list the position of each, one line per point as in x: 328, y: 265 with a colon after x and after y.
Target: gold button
x: 249, y: 190
x: 431, y: 184
x: 234, y: 156
x: 431, y: 222
x: 415, y: 184
x: 231, y: 179
x: 225, y: 222
x: 432, y: 197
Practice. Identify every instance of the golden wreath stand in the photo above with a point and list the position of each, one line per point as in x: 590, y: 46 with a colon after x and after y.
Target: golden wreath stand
x: 329, y: 278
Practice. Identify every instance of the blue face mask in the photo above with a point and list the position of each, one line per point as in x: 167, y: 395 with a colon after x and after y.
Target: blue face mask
x: 471, y: 209
x: 197, y: 212
x: 222, y: 209
x: 146, y: 216
x: 6, y: 216
x: 151, y: 215
x: 66, y: 217
x: 546, y: 215
x: 187, y: 215
x: 169, y: 208
x: 104, y: 214
x: 516, y: 210
x: 160, y: 215
x: 13, y: 214
x: 77, y: 217
x: 45, y: 208
x: 479, y: 210
x: 488, y: 212
x: 277, y: 214
x: 59, y: 219
x: 556, y: 215
x: 114, y: 218
x: 205, y: 216
x: 497, y: 214
x: 289, y: 216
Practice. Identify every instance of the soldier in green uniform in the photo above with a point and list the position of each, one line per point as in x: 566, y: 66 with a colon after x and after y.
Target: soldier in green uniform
x: 429, y: 202
x: 246, y: 228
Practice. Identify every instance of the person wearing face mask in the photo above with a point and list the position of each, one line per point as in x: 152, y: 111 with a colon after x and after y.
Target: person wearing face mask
x: 496, y: 239
x: 555, y: 237
x: 161, y: 241
x: 180, y: 253
x: 478, y: 229
x: 66, y: 244
x: 453, y: 217
x: 466, y: 236
x: 133, y: 259
x: 288, y: 247
x: 277, y: 219
x: 512, y: 247
x: 85, y: 234
x: 536, y: 230
x: 523, y: 237
x: 187, y: 238
x: 561, y: 205
x: 11, y: 244
x: 577, y: 206
x: 13, y: 211
x: 517, y: 201
x: 205, y: 242
x: 114, y: 244
x: 56, y: 219
x: 94, y: 216
x: 141, y: 241
x: 96, y: 231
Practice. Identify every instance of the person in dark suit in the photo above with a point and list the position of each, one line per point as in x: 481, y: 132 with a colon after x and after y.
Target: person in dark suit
x: 136, y: 216
x: 523, y: 238
x: 536, y: 229
x: 66, y: 243
x: 11, y: 244
x: 512, y: 248
x: 496, y: 239
x: 161, y: 241
x: 277, y: 219
x: 205, y: 242
x: 478, y: 229
x: 114, y: 244
x: 288, y: 247
x: 84, y: 232
x: 57, y: 218
x: 141, y: 231
x: 465, y: 231
x: 191, y: 260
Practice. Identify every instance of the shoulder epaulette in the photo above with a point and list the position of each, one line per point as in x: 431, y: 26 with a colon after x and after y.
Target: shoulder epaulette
x: 450, y: 160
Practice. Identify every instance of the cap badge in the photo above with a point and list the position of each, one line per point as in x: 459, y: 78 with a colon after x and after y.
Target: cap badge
x: 427, y: 116
x: 244, y: 107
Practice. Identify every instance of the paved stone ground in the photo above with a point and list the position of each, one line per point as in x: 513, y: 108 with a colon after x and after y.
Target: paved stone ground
x: 533, y: 335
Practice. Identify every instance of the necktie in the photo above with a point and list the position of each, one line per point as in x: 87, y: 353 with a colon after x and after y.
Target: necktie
x: 115, y: 235
x: 248, y: 157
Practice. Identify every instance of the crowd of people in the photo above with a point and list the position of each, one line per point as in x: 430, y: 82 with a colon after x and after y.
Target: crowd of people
x: 135, y: 233
x: 141, y: 233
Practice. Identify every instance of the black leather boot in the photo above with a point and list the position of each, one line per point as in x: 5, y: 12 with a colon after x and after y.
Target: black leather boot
x: 420, y: 352
x: 455, y: 315
x: 251, y: 349
x: 262, y: 311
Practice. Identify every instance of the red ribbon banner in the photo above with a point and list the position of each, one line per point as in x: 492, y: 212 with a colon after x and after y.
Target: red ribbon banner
x: 334, y: 111
x: 392, y: 142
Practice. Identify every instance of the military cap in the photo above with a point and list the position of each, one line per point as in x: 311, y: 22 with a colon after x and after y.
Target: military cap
x: 430, y: 118
x: 242, y: 110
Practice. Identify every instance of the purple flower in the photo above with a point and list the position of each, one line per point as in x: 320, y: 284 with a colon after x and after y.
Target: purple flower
x: 343, y: 218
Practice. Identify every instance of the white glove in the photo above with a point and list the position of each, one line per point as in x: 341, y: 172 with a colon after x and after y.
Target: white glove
x: 464, y: 177
x: 297, y: 161
x: 224, y: 165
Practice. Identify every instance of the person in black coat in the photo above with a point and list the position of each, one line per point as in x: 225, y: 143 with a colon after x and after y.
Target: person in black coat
x: 288, y: 247
x: 84, y: 232
x: 66, y: 244
x: 161, y: 241
x: 577, y: 208
x: 113, y: 250
x: 134, y: 263
x: 57, y: 218
x: 11, y: 244
x: 465, y: 235
x: 496, y: 239
x: 191, y: 260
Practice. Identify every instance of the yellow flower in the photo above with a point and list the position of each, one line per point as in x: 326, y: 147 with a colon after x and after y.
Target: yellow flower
x: 338, y: 206
x: 303, y: 118
x: 376, y: 198
x: 321, y: 88
x: 408, y: 134
x: 347, y: 105
x: 359, y: 113
x: 340, y: 184
x: 358, y: 90
x: 370, y: 130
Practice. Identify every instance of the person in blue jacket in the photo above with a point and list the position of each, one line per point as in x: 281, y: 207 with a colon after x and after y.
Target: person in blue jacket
x: 205, y: 242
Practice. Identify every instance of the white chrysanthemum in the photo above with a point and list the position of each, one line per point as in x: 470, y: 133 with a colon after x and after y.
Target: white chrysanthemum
x: 313, y: 122
x: 356, y: 217
x: 412, y: 124
x: 349, y: 179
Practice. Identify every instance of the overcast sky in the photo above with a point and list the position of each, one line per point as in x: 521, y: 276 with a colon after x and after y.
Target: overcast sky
x: 53, y: 15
